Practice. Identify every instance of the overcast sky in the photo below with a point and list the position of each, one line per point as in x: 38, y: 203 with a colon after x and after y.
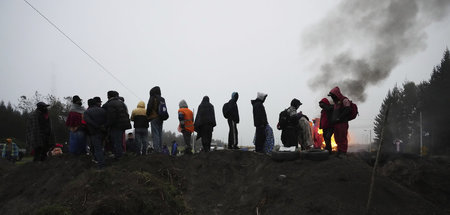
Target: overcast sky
x: 191, y: 49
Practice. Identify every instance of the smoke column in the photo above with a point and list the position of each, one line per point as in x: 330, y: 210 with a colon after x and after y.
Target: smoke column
x: 362, y: 41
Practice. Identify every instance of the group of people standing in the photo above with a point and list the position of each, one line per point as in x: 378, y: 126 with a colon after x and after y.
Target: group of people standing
x: 109, y: 121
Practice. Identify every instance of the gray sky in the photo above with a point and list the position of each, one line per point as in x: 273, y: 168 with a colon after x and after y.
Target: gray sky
x: 191, y: 49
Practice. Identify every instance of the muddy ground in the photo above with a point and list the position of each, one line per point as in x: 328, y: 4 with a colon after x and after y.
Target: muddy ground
x: 224, y: 182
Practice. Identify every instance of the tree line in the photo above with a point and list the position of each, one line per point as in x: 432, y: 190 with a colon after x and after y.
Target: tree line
x: 14, y: 118
x: 407, y: 103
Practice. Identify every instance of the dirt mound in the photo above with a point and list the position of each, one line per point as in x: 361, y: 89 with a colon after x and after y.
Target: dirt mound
x: 220, y: 182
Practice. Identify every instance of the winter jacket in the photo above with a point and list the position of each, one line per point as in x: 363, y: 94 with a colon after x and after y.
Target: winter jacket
x: 305, y: 137
x: 95, y: 118
x: 186, y: 118
x: 39, y: 131
x: 14, y: 150
x: 117, y: 114
x: 326, y: 114
x: 139, y: 116
x: 342, y: 108
x: 234, y: 111
x: 205, y: 115
x: 290, y: 134
x: 153, y: 103
x: 259, y: 112
x: 75, y: 117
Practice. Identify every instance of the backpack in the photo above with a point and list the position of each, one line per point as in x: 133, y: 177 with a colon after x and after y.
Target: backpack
x: 283, y: 119
x: 162, y: 110
x: 354, y: 111
x: 226, y: 110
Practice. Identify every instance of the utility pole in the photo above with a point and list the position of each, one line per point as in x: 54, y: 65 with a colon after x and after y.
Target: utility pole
x: 421, y: 135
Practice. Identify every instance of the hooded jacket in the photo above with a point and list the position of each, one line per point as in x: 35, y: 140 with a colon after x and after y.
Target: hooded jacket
x: 186, y: 117
x: 39, y: 132
x: 139, y: 116
x: 259, y: 112
x: 326, y: 114
x: 234, y: 111
x: 205, y: 115
x: 153, y: 103
x: 117, y: 114
x: 342, y: 108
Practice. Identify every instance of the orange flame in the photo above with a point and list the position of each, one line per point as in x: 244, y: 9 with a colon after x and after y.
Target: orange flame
x: 333, y: 142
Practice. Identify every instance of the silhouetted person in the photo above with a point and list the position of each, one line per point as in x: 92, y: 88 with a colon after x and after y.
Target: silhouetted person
x: 260, y: 121
x: 204, y: 124
x: 39, y: 132
x: 341, y: 113
x: 231, y: 113
x: 139, y: 117
x: 186, y: 118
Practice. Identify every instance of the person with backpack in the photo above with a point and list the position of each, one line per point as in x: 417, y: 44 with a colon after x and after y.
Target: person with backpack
x: 117, y: 121
x: 325, y: 122
x: 288, y: 123
x: 139, y: 117
x: 77, y: 135
x: 95, y: 118
x: 259, y: 121
x: 186, y: 126
x: 204, y: 124
x: 156, y: 114
x: 231, y: 113
x: 340, y: 117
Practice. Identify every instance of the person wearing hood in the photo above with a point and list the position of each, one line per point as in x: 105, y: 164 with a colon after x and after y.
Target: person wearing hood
x: 259, y: 121
x: 231, y: 113
x: 290, y: 132
x: 186, y: 127
x: 153, y: 115
x: 325, y: 122
x: 341, y: 112
x: 204, y: 124
x: 139, y: 117
x: 117, y: 121
x: 95, y: 118
x: 76, y: 125
x: 39, y: 132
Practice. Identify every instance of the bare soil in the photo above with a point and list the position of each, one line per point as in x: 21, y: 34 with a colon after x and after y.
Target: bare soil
x: 224, y: 182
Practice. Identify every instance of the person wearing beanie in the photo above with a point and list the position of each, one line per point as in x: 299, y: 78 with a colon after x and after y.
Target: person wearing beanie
x: 259, y: 121
x: 76, y: 125
x: 231, y: 113
x: 141, y: 124
x: 117, y: 121
x: 186, y: 127
x: 39, y: 132
x: 95, y: 118
x: 204, y: 124
x: 289, y: 124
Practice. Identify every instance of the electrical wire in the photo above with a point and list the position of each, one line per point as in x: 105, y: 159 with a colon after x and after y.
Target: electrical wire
x: 85, y: 52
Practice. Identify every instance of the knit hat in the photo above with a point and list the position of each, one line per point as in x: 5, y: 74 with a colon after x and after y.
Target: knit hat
x: 91, y: 102
x: 295, y: 103
x: 183, y: 104
x: 112, y: 94
x: 76, y: 99
x: 97, y: 99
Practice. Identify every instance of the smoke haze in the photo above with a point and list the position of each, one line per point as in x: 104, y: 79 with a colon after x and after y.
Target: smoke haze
x: 363, y: 41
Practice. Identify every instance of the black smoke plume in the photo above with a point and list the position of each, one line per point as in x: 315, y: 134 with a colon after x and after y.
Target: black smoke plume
x: 363, y: 41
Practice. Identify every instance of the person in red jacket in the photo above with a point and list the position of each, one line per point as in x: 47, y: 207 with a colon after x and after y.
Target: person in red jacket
x: 76, y: 125
x: 340, y: 116
x: 325, y: 122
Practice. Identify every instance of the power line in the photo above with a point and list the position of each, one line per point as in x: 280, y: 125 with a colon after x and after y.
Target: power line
x: 85, y: 52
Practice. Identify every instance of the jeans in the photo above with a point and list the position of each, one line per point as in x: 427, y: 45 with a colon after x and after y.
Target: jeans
x: 96, y: 143
x: 157, y: 125
x: 116, y: 138
x: 141, y: 140
x: 77, y: 142
x: 232, y: 134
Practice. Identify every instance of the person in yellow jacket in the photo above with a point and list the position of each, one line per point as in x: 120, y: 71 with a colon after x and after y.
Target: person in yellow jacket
x: 139, y: 117
x: 186, y: 126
